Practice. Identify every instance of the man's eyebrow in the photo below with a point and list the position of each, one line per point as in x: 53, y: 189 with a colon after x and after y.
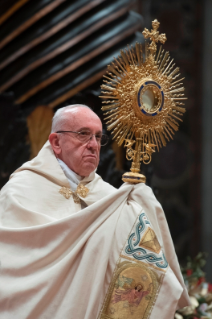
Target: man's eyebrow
x: 86, y: 129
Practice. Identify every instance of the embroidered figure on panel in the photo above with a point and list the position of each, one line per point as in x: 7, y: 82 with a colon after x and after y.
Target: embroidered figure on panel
x: 133, y: 292
x: 133, y: 295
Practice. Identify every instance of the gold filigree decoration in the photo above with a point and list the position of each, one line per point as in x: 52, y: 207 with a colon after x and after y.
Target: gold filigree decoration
x: 143, y: 100
x: 81, y: 191
x: 66, y: 192
x: 150, y: 241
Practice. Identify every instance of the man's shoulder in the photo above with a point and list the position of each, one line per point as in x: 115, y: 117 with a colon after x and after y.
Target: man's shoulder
x: 26, y: 176
x: 100, y: 183
x: 98, y: 189
x: 23, y: 180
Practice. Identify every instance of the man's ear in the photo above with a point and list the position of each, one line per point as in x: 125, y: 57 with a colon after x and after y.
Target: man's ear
x: 54, y: 141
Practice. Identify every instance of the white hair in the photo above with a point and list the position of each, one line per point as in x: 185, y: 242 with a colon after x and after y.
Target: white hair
x: 60, y: 116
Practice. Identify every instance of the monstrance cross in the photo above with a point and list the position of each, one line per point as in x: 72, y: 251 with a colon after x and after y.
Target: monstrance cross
x: 154, y: 36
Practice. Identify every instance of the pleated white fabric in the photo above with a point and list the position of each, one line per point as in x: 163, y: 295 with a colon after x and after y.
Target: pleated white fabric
x: 57, y: 260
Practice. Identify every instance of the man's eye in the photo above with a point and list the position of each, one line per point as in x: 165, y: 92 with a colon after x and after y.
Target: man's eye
x: 85, y: 133
x: 98, y: 137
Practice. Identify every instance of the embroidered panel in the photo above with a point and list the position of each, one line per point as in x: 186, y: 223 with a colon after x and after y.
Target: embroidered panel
x: 138, y: 275
x: 132, y: 292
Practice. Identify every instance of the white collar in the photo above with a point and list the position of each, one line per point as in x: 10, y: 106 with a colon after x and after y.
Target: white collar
x: 72, y: 177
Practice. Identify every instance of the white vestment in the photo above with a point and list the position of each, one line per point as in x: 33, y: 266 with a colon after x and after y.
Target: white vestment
x: 59, y: 261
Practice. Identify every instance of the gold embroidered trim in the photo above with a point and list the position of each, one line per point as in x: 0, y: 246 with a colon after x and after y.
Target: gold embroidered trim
x: 138, y: 261
x: 81, y: 191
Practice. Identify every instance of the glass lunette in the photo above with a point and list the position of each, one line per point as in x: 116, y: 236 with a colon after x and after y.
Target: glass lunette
x: 85, y: 136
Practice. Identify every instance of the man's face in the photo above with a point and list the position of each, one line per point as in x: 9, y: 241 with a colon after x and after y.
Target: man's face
x: 139, y: 287
x: 82, y: 158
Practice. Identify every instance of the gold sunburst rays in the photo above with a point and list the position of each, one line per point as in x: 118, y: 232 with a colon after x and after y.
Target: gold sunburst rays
x: 143, y: 99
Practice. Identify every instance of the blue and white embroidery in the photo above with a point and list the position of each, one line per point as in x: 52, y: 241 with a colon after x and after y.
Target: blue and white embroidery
x: 143, y: 244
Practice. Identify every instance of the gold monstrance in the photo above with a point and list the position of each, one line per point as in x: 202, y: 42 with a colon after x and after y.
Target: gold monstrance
x: 143, y: 100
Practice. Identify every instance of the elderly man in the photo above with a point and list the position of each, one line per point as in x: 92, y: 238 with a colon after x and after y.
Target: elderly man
x: 76, y: 139
x: 71, y: 243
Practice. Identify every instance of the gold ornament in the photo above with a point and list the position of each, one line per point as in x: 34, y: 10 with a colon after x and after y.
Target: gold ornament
x: 143, y: 100
x: 81, y: 191
x: 150, y: 241
x: 66, y: 192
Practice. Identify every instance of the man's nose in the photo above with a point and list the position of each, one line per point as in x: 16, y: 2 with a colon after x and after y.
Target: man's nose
x: 93, y: 142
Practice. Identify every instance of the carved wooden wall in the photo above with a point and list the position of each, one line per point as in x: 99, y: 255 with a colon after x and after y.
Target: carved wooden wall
x: 52, y: 49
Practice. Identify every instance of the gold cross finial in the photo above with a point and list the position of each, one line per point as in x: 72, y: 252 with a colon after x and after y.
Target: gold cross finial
x: 154, y: 36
